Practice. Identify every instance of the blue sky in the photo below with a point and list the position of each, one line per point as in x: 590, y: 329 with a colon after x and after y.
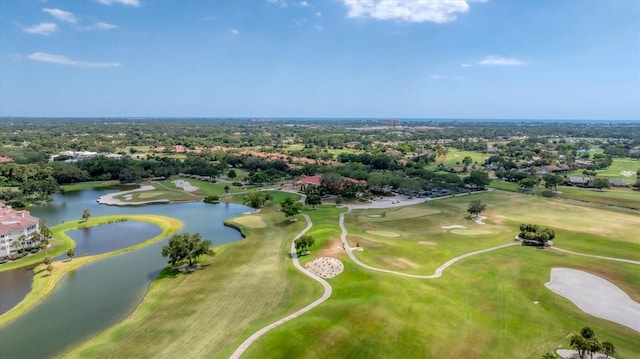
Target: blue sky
x: 334, y: 58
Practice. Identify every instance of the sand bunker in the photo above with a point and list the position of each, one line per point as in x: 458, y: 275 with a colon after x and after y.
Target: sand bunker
x: 325, y: 267
x: 470, y: 232
x: 453, y: 226
x: 251, y: 221
x: 384, y: 234
x: 427, y: 243
x: 595, y: 296
x: 375, y: 215
x: 628, y: 173
x: 479, y: 219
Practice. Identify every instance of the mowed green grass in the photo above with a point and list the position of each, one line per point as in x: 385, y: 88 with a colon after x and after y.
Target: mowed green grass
x: 621, y: 197
x: 620, y: 165
x: 208, y: 313
x: 482, y: 307
x: 454, y: 155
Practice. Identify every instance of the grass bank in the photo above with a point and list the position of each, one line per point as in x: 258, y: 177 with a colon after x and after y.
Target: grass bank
x: 209, y: 312
x: 43, y: 282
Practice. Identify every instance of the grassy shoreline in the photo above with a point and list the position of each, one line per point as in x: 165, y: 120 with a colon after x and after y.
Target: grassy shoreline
x: 43, y: 283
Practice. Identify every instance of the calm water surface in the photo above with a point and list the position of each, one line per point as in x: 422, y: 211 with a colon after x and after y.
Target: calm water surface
x: 102, y: 293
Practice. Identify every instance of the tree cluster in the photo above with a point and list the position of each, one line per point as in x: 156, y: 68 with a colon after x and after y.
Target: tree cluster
x: 532, y: 234
x: 588, y: 343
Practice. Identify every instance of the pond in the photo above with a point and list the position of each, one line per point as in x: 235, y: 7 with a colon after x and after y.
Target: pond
x: 110, y: 237
x: 14, y: 285
x: 102, y: 293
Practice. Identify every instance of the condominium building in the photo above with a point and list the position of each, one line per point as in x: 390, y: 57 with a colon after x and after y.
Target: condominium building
x: 13, y: 225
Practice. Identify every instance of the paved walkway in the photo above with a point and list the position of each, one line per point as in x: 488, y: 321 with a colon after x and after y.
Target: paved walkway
x: 296, y: 262
x: 594, y: 256
x: 436, y: 274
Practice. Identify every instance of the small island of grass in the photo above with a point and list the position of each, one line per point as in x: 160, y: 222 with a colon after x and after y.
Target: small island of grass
x: 44, y: 281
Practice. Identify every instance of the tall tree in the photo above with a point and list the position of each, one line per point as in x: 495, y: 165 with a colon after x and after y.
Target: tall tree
x: 600, y: 183
x: 303, y: 243
x: 254, y: 199
x: 71, y: 253
x: 476, y: 207
x: 186, y: 246
x: 478, y: 179
x: 552, y: 181
x: 86, y: 214
x: 312, y: 200
x: 290, y: 207
x: 608, y: 349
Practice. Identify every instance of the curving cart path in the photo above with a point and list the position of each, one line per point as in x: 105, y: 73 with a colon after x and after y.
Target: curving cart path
x: 436, y: 274
x: 328, y: 290
x: 296, y: 262
x: 594, y: 256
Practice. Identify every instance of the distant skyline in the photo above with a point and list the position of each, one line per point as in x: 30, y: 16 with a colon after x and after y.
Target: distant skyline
x: 576, y: 60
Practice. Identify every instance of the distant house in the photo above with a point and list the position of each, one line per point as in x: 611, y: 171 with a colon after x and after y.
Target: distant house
x: 4, y: 159
x: 616, y: 182
x: 311, y: 180
x: 13, y: 225
x: 578, y: 181
x: 180, y: 149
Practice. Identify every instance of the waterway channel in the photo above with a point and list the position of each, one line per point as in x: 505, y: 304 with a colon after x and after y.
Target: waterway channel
x: 102, y: 293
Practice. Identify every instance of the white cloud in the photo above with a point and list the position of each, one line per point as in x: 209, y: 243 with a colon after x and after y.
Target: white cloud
x: 493, y: 60
x: 304, y: 3
x: 104, y: 26
x: 63, y: 60
x: 465, y: 65
x: 135, y: 3
x: 318, y: 27
x: 319, y: 14
x: 44, y: 28
x: 61, y: 15
x: 100, y: 26
x: 235, y: 32
x: 438, y: 11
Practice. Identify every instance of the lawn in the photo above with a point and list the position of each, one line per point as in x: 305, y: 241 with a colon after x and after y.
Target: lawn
x: 454, y: 155
x: 87, y: 185
x: 482, y: 307
x: 620, y: 197
x: 206, y: 314
x: 619, y: 167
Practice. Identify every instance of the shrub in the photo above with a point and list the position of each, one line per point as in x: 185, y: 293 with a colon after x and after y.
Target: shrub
x: 237, y: 184
x: 548, y: 193
x: 212, y: 199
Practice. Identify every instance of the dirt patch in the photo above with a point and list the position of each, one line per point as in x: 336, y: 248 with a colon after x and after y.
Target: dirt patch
x: 250, y: 221
x: 333, y: 248
x: 384, y: 234
x: 427, y: 243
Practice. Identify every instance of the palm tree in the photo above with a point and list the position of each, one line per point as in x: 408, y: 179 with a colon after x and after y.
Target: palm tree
x: 14, y: 245
x: 608, y: 349
x: 23, y: 240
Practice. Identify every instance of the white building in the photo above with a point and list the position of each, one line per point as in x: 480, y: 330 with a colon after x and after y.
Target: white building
x: 14, y: 224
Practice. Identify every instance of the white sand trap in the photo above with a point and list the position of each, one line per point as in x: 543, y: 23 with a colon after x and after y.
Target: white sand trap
x: 325, y: 267
x: 384, y: 234
x: 627, y: 173
x: 128, y: 197
x: 595, y: 296
x: 453, y: 226
x: 479, y: 219
x: 470, y: 232
x: 427, y: 243
x: 375, y: 215
x: 570, y: 354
